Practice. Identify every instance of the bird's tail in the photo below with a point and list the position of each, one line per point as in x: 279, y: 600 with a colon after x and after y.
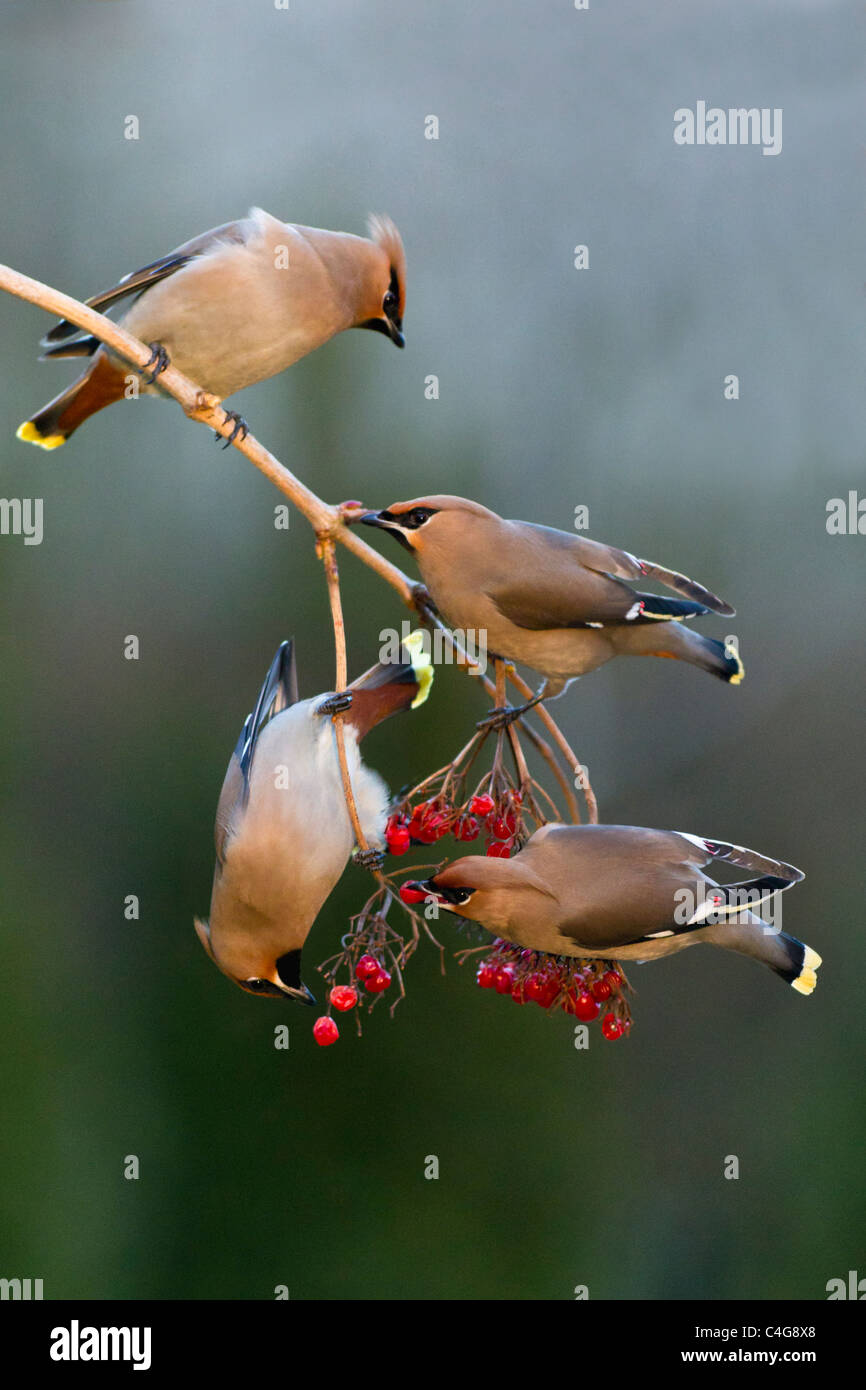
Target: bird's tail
x: 390, y: 686
x: 102, y: 384
x: 684, y: 644
x: 749, y: 935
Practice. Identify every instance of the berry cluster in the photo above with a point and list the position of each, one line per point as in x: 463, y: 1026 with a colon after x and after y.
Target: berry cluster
x: 372, y: 957
x: 578, y: 987
x: 375, y: 979
x: 501, y: 817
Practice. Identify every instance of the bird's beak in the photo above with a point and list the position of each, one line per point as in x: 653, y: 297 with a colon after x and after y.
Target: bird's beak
x: 387, y: 326
x: 289, y: 978
x: 380, y: 519
x: 449, y: 898
x: 386, y: 522
x: 300, y: 994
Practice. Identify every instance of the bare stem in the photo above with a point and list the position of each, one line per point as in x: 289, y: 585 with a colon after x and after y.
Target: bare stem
x: 565, y: 748
x: 326, y: 548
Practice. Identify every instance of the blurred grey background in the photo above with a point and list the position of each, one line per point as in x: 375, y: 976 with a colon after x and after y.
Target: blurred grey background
x: 557, y: 388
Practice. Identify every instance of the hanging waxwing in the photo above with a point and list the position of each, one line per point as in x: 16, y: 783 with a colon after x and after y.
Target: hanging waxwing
x: 559, y: 603
x: 283, y: 833
x: 231, y: 307
x: 624, y: 893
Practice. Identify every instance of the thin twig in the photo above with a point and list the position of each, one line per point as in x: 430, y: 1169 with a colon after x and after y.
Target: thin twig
x: 332, y: 574
x: 562, y: 743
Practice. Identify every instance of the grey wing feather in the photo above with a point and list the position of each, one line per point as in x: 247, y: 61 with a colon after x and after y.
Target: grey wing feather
x: 140, y: 280
x: 279, y: 691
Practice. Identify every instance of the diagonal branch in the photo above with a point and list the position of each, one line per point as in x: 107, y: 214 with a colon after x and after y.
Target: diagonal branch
x: 329, y: 523
x: 200, y: 405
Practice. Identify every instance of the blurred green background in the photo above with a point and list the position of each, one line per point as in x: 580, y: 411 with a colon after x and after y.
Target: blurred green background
x: 557, y: 388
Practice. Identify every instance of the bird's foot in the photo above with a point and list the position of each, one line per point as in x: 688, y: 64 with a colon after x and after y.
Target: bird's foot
x: 501, y: 718
x: 422, y: 602
x: 241, y: 428
x: 159, y: 360
x: 371, y: 859
x: 336, y: 704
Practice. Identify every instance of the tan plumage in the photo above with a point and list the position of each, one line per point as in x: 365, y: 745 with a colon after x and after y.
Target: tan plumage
x: 562, y: 604
x: 234, y: 306
x: 283, y: 833
x: 624, y: 893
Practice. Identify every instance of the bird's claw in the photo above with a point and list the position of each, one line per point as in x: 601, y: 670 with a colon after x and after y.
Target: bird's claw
x: 336, y: 704
x: 501, y: 718
x: 241, y: 428
x: 371, y: 859
x: 159, y: 360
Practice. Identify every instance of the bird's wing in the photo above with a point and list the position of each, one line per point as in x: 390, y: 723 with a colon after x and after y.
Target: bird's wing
x: 543, y: 581
x: 555, y: 580
x: 140, y: 280
x: 279, y: 691
x: 608, y: 560
x: 617, y: 884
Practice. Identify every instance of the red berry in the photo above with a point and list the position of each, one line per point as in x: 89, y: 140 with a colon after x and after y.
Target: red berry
x: 398, y: 839
x: 517, y: 993
x: 503, y: 979
x: 367, y: 966
x: 585, y: 1007
x: 611, y: 1027
x: 485, y: 976
x: 536, y: 988
x: 467, y: 828
x: 613, y: 978
x: 376, y: 983
x: 499, y: 826
x: 410, y: 894
x: 600, y: 990
x: 499, y: 849
x: 325, y: 1031
x: 481, y: 805
x: 343, y: 997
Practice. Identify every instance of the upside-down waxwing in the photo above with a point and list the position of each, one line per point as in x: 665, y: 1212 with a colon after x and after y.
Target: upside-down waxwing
x: 283, y: 833
x: 623, y: 893
x: 559, y: 603
x: 233, y: 306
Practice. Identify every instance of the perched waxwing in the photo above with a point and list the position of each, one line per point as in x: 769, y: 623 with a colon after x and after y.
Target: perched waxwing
x: 233, y: 306
x: 624, y: 893
x: 283, y: 833
x: 559, y: 603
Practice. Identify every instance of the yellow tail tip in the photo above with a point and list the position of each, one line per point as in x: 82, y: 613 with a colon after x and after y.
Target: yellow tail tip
x: 421, y: 665
x: 739, y: 674
x: 30, y: 434
x: 807, y: 978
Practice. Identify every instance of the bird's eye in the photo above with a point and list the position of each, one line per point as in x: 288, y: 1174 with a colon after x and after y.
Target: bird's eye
x: 257, y: 986
x: 389, y: 303
x: 418, y: 516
